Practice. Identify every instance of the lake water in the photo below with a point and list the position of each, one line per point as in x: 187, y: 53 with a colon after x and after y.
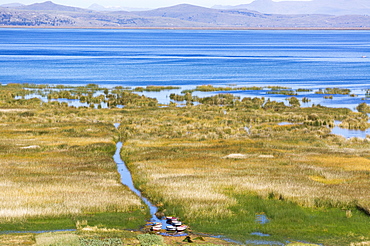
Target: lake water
x: 294, y: 58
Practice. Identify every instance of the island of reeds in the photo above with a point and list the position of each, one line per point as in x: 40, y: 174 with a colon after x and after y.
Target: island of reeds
x: 217, y: 162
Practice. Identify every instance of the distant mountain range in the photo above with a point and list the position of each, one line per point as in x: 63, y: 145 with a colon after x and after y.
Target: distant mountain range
x: 180, y: 16
x: 329, y: 7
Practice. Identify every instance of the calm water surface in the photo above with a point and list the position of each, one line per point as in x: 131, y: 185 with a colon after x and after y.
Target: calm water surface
x: 297, y: 59
x: 185, y: 57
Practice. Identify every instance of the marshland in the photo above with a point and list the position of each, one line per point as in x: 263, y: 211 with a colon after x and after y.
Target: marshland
x: 218, y: 162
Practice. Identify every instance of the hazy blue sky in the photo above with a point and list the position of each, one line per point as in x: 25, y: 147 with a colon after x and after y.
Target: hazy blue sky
x: 136, y: 3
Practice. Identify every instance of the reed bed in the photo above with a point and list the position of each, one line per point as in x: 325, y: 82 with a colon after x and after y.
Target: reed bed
x: 304, y: 165
x: 63, y: 169
x: 56, y: 163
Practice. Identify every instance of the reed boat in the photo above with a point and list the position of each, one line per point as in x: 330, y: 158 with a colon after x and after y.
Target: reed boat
x: 181, y: 228
x: 176, y: 223
x: 156, y: 226
x: 171, y: 228
x: 170, y: 219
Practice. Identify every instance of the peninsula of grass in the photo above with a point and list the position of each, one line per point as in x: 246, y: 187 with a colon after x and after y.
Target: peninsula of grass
x: 199, y: 163
x: 57, y: 168
x: 217, y: 165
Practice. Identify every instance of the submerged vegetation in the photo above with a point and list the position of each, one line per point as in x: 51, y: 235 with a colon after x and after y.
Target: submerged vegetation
x: 218, y: 163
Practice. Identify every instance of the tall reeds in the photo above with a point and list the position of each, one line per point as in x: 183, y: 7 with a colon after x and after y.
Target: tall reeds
x: 59, y: 169
x: 298, y: 164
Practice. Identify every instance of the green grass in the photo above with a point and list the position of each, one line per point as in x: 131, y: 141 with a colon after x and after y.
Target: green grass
x: 287, y: 221
x: 150, y: 239
x: 187, y: 178
x: 127, y: 220
x: 107, y: 238
x: 57, y: 239
x: 39, y: 224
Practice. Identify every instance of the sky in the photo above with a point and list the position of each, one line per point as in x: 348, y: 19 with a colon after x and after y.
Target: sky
x: 136, y: 3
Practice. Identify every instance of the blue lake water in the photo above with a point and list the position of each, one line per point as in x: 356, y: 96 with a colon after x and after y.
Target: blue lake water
x: 314, y: 59
x: 295, y: 58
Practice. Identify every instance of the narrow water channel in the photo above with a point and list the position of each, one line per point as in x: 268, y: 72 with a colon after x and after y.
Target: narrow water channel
x: 126, y: 179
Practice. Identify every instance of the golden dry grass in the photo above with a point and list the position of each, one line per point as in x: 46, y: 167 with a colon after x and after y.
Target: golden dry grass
x: 296, y: 162
x: 58, y: 161
x: 59, y: 169
x: 352, y: 163
x: 17, y: 240
x: 327, y: 181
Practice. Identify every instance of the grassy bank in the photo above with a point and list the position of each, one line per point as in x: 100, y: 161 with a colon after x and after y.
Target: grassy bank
x: 217, y: 165
x: 57, y: 169
x: 287, y: 222
x: 203, y: 166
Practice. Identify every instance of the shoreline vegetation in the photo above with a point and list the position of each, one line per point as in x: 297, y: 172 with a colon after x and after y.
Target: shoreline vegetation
x: 217, y: 162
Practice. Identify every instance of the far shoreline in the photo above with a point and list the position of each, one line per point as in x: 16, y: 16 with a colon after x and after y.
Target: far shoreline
x: 195, y: 28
